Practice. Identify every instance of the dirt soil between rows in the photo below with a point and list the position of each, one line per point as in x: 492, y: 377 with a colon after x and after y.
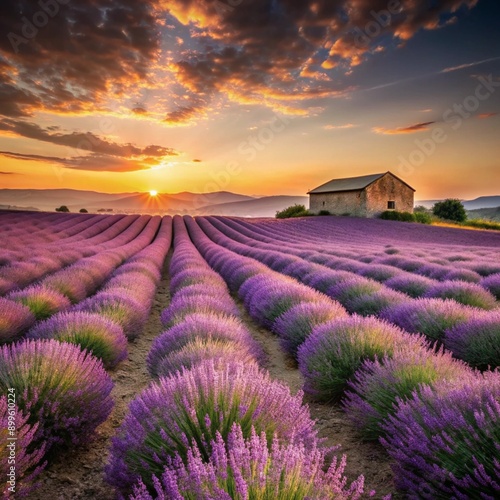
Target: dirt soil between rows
x: 78, y: 473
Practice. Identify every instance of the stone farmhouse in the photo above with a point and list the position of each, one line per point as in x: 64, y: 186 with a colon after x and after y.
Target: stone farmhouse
x: 365, y: 196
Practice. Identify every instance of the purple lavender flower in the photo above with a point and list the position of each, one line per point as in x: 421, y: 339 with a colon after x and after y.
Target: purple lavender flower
x: 476, y: 341
x: 348, y: 290
x: 204, y: 326
x: 182, y: 306
x: 247, y: 468
x: 68, y: 284
x: 335, y: 350
x: 189, y: 408
x: 380, y: 272
x: 220, y: 351
x: 463, y: 292
x: 444, y: 440
x: 129, y: 313
x: 411, y: 284
x: 64, y: 389
x: 93, y: 332
x: 432, y: 317
x: 324, y: 280
x: 378, y: 385
x: 370, y: 304
x: 274, y: 298
x: 463, y: 275
x: 492, y: 284
x: 42, y: 301
x: 15, y: 318
x: 194, y: 276
x: 296, y: 324
x: 28, y: 459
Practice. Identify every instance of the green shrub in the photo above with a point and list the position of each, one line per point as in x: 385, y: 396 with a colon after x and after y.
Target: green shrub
x: 421, y: 209
x: 422, y: 217
x: 62, y: 208
x: 293, y: 211
x: 324, y: 212
x: 450, y: 209
x: 395, y: 215
x: 84, y: 211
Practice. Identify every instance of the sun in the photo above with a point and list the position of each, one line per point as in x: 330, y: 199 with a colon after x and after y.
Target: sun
x: 153, y: 193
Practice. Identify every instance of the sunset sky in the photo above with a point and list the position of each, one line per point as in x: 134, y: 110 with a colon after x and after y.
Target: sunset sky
x: 258, y: 97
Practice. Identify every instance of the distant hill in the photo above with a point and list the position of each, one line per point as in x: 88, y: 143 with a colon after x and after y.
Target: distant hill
x: 481, y: 202
x: 485, y: 213
x: 259, y: 207
x: 49, y: 199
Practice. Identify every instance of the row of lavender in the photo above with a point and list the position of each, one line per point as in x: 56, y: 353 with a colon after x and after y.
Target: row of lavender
x: 54, y: 384
x: 437, y: 417
x: 438, y: 278
x: 60, y: 290
x: 439, y: 252
x: 213, y: 424
x: 26, y: 259
x: 470, y: 332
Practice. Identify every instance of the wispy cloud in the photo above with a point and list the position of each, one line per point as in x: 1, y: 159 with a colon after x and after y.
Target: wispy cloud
x: 9, y: 173
x: 468, y: 65
x: 339, y: 127
x: 483, y: 116
x: 418, y: 127
x: 93, y: 162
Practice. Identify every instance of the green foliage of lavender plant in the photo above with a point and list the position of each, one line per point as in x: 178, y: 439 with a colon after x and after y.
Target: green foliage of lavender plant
x: 379, y: 385
x: 335, y: 350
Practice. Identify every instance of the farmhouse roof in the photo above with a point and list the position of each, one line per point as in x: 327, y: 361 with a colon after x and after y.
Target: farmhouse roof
x: 351, y: 184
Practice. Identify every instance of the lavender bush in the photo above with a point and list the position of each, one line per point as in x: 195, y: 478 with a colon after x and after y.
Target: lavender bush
x: 28, y: 460
x: 378, y: 385
x: 183, y: 306
x: 220, y: 351
x: 335, y: 350
x: 42, y: 301
x: 93, y: 332
x: 476, y: 341
x: 463, y: 292
x: 432, y: 317
x: 411, y: 284
x: 295, y: 325
x: 189, y: 408
x: 445, y: 440
x: 62, y: 388
x: 15, y: 319
x: 492, y: 284
x: 129, y: 313
x: 248, y: 468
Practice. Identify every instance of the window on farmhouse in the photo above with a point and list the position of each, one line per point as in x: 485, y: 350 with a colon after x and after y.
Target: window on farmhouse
x: 391, y: 205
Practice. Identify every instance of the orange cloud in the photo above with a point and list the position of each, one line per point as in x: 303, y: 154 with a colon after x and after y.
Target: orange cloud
x: 483, y: 116
x: 419, y: 127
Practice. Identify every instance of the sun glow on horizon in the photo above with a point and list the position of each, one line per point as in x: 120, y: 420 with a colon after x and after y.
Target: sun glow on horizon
x: 153, y: 193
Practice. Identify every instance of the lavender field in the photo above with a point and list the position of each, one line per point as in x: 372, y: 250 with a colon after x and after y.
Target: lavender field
x: 221, y: 358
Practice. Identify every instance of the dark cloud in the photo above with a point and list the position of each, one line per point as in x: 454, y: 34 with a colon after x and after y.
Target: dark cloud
x: 196, y: 161
x: 93, y: 162
x: 9, y: 173
x: 283, y: 51
x: 72, y: 57
x: 418, y: 127
x: 81, y: 141
x: 273, y: 52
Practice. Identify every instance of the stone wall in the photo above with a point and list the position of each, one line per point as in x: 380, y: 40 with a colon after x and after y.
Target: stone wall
x: 344, y: 203
x: 385, y: 189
